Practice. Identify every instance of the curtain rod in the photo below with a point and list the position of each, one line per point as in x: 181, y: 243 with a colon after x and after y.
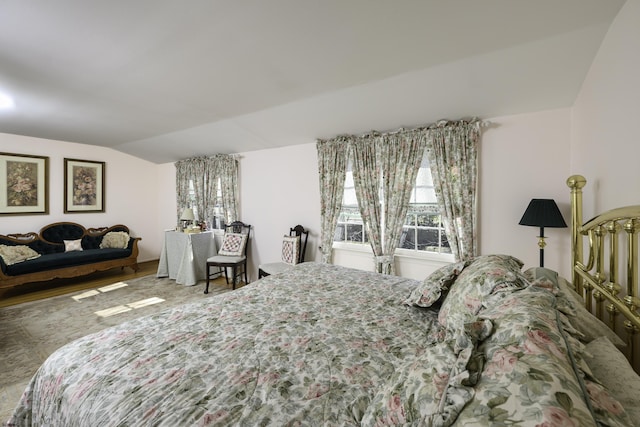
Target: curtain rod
x: 439, y: 123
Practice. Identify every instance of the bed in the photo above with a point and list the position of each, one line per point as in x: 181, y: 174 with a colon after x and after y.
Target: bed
x: 481, y: 342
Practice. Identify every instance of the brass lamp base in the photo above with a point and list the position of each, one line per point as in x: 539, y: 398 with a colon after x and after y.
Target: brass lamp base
x: 541, y: 245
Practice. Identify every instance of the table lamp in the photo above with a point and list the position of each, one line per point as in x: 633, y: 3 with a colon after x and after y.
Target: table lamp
x: 187, y: 216
x: 542, y: 213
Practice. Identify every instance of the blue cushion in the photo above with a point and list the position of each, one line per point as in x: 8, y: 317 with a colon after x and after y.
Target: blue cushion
x: 65, y: 259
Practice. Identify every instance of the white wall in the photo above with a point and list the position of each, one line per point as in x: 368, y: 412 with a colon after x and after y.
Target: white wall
x: 279, y: 189
x: 605, y: 142
x: 131, y: 188
x: 167, y: 206
x: 523, y: 157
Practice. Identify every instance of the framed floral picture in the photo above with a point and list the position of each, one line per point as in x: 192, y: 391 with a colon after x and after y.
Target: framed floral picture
x: 24, y: 184
x: 83, y: 186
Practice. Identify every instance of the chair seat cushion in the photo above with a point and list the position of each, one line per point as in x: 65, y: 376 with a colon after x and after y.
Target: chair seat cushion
x: 275, y: 267
x: 226, y: 259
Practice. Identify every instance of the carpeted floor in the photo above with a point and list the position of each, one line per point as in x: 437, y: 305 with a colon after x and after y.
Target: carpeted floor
x: 31, y: 331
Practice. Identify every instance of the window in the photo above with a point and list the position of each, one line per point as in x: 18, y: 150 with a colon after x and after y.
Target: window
x: 350, y: 226
x: 423, y: 230
x: 217, y: 221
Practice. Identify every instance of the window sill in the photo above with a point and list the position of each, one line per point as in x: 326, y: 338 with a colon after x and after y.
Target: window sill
x: 401, y: 253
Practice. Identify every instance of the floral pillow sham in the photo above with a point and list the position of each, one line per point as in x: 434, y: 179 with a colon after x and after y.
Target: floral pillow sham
x: 485, y: 276
x: 436, y: 285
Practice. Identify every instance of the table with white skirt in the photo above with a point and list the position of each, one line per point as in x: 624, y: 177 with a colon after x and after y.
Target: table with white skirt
x: 184, y: 256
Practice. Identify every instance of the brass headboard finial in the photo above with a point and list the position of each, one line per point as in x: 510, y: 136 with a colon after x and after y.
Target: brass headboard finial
x: 576, y: 181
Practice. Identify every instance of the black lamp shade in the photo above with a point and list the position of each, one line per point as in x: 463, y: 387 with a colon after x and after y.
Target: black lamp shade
x: 543, y: 213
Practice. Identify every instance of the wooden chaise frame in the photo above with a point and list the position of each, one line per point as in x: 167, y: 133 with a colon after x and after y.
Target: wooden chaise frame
x: 598, y: 282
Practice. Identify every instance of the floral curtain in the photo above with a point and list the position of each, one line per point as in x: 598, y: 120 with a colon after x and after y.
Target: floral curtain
x: 452, y: 150
x: 227, y: 170
x: 204, y: 173
x: 401, y: 155
x: 210, y: 191
x: 391, y: 161
x: 366, y: 179
x: 190, y: 170
x: 332, y: 167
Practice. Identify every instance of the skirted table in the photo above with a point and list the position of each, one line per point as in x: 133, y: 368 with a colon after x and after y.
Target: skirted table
x: 184, y: 256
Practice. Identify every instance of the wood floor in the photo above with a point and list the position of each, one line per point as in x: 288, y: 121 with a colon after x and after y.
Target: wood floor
x: 36, y: 291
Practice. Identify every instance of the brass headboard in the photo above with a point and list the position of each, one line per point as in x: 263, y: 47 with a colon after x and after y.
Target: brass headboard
x: 600, y: 283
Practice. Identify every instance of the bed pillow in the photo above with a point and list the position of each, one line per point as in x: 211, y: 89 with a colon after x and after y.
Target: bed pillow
x: 436, y: 285
x: 290, y: 249
x: 115, y: 239
x: 611, y: 368
x: 233, y: 244
x: 15, y: 254
x: 485, y: 276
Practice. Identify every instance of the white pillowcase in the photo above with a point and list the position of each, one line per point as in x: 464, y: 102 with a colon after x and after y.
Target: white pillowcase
x: 72, y: 245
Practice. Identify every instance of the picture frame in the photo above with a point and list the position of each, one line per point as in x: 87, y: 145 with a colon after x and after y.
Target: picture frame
x: 84, y: 186
x: 24, y: 184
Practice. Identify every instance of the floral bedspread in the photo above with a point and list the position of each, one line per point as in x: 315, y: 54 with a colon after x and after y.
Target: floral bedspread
x: 310, y: 348
x: 320, y: 345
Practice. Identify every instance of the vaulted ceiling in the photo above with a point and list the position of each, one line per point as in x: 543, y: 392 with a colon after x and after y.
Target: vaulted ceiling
x: 164, y: 80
